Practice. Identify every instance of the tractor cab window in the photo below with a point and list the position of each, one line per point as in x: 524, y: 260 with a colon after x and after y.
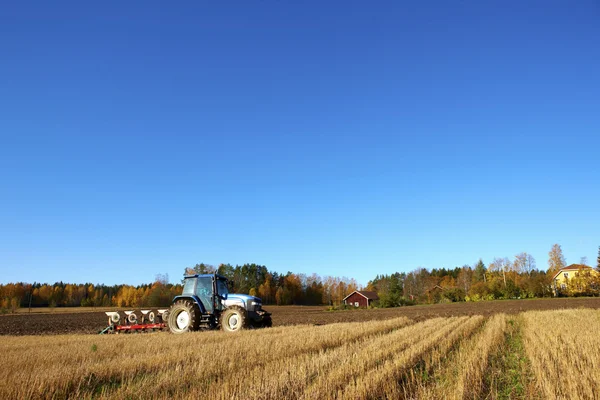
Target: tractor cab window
x: 204, y: 292
x: 222, y: 288
x: 188, y: 286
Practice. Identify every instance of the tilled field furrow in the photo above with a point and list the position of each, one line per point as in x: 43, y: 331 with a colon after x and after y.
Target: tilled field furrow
x: 85, y: 320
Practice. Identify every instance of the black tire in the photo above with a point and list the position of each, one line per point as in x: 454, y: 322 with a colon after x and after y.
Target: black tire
x: 233, y: 319
x: 184, y: 316
x: 267, y: 322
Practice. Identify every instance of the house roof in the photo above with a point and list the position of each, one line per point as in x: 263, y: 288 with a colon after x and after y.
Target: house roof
x: 572, y: 267
x: 364, y: 293
x: 435, y: 287
x: 576, y: 266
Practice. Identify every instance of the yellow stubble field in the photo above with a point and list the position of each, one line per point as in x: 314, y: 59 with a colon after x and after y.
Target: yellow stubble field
x: 535, y: 354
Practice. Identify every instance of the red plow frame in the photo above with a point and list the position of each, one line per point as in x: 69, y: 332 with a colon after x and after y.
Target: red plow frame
x: 151, y: 321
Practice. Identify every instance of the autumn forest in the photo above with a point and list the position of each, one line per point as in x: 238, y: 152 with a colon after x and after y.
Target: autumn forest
x: 502, y: 278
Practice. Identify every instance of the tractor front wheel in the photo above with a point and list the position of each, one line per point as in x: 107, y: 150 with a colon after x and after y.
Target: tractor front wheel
x: 184, y: 316
x: 233, y: 319
x: 267, y: 322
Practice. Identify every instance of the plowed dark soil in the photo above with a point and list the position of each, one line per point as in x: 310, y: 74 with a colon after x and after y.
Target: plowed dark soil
x: 92, y: 322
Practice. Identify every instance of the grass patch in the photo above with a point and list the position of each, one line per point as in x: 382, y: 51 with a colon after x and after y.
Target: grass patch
x: 511, y: 376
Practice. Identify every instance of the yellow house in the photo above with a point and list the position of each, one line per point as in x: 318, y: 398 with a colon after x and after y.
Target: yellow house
x: 575, y: 279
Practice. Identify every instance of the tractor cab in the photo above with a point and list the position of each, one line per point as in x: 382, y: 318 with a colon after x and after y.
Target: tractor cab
x: 208, y: 291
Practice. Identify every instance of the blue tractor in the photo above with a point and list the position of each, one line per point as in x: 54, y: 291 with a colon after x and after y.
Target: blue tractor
x: 205, y: 303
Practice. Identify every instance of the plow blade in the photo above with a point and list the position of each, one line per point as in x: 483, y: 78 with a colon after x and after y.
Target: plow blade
x: 150, y: 321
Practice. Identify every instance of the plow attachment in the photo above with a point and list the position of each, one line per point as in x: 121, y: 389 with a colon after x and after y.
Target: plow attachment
x: 130, y: 322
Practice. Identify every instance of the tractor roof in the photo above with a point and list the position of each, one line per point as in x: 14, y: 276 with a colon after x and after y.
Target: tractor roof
x: 204, y: 276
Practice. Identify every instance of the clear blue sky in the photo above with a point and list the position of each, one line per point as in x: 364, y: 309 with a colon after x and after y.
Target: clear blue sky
x: 348, y: 138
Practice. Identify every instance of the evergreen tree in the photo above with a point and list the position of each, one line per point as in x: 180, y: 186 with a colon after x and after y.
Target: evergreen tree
x: 480, y: 271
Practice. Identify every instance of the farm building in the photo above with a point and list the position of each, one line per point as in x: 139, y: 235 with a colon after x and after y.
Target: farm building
x: 360, y: 298
x: 434, y: 294
x: 575, y: 278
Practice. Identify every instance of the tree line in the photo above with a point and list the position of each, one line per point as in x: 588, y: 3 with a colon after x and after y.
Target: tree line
x: 502, y: 278
x: 60, y: 294
x: 253, y: 279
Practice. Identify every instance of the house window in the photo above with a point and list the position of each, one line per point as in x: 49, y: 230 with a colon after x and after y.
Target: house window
x: 356, y: 304
x: 566, y: 275
x: 563, y: 286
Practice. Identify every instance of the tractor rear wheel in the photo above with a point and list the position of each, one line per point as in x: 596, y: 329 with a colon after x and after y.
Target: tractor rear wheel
x: 233, y: 319
x: 184, y: 316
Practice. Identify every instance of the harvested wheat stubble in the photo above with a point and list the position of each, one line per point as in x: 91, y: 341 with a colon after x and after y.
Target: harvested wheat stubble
x: 290, y: 377
x: 121, y: 365
x: 336, y: 383
x: 565, y: 353
x: 461, y: 376
x: 384, y: 379
x: 287, y: 376
x: 437, y: 358
x: 234, y: 363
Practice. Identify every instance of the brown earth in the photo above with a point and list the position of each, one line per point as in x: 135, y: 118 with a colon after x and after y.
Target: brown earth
x: 92, y: 322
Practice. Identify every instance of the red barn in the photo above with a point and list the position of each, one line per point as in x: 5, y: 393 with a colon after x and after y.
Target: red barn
x: 360, y: 298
